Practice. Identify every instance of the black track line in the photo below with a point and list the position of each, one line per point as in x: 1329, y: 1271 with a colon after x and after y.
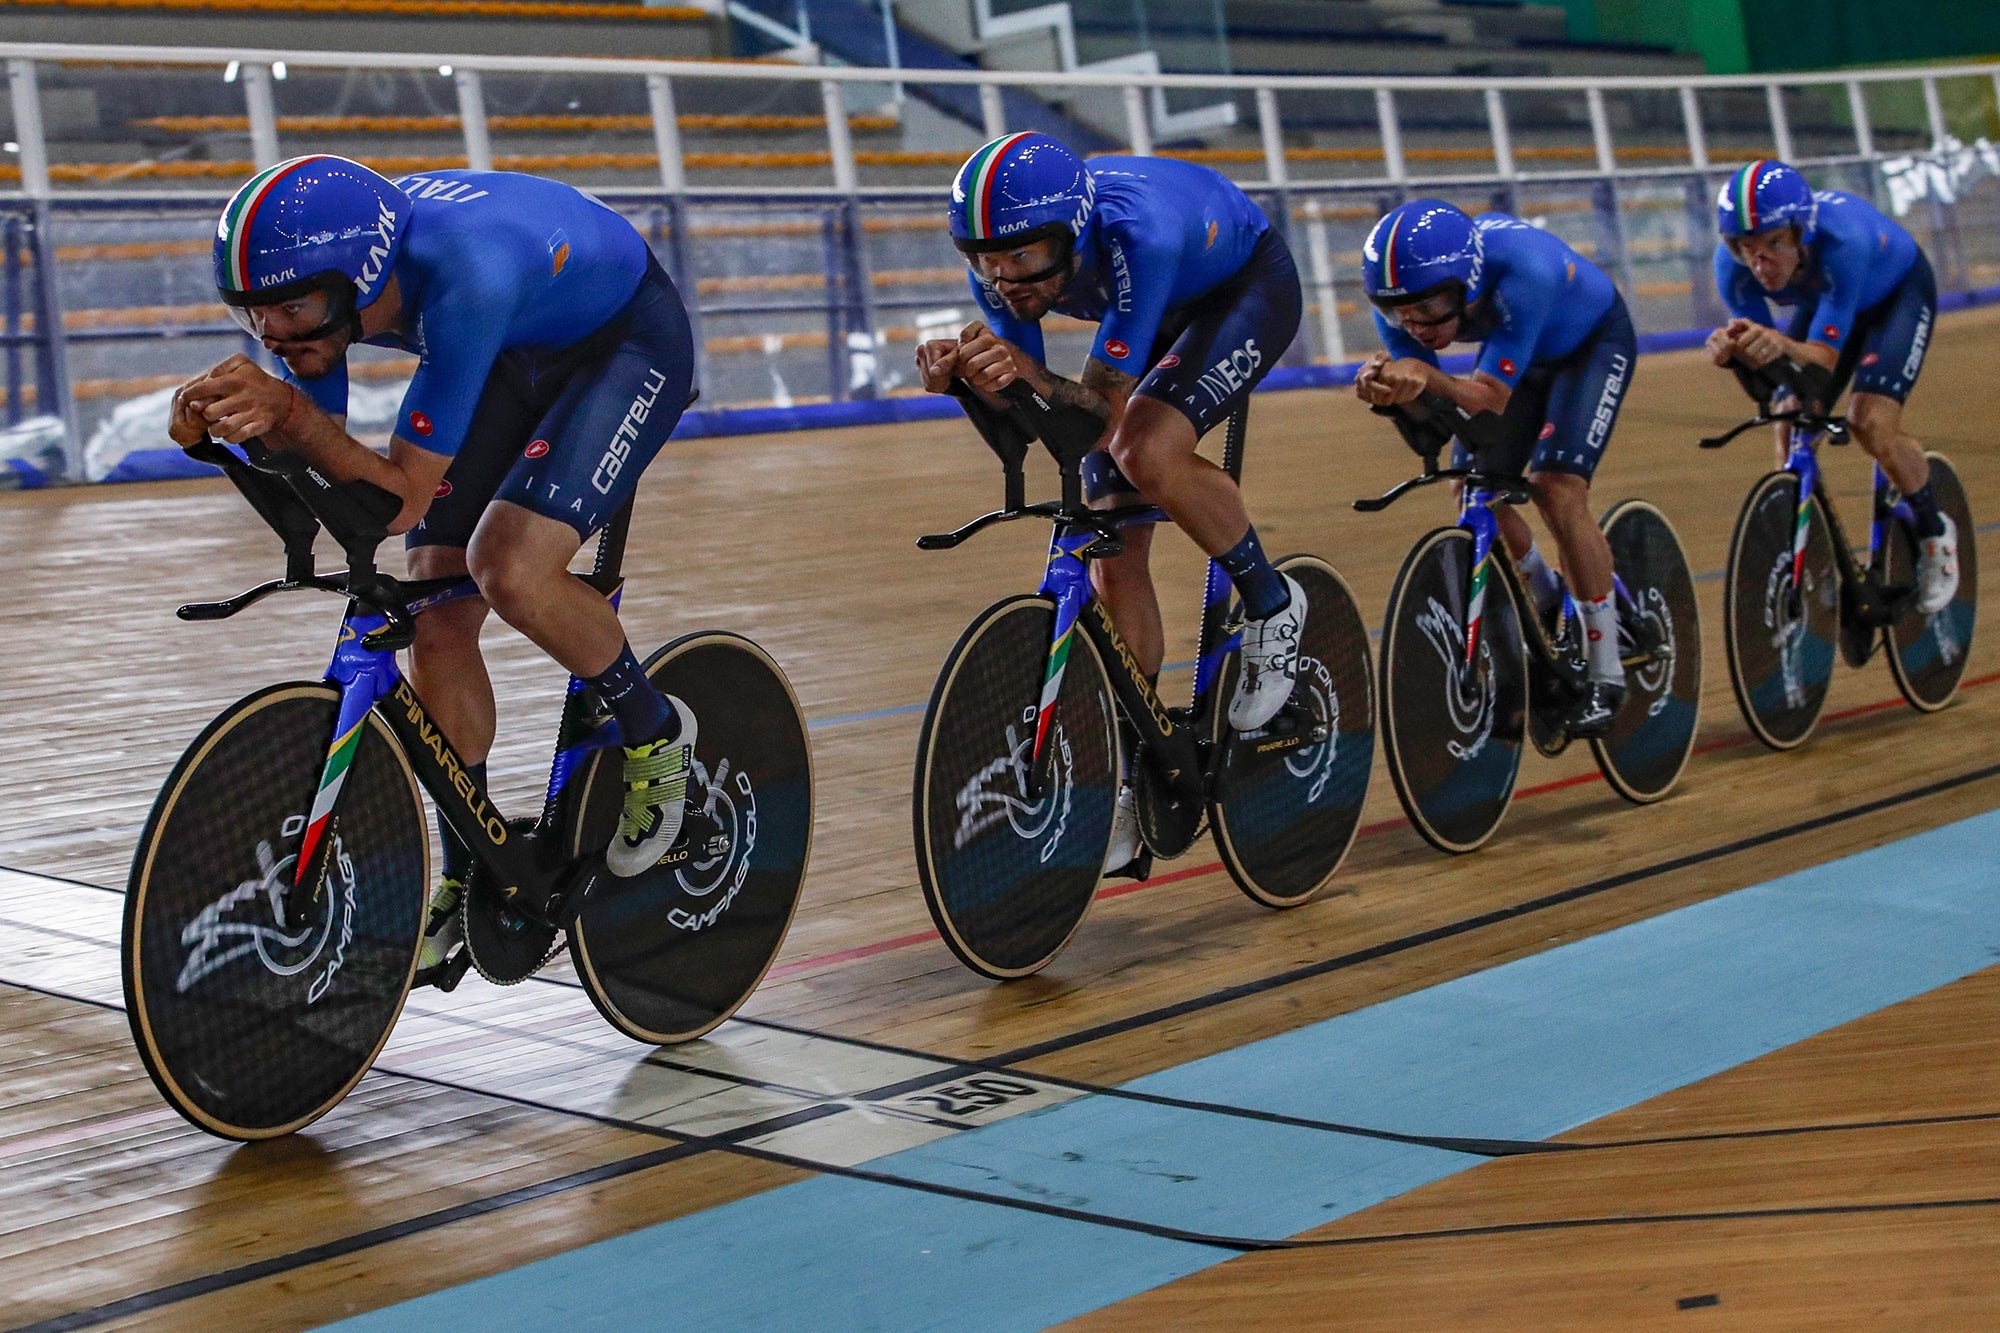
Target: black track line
x: 1638, y: 1220
x: 1793, y: 1131
x: 686, y: 1144
x: 1227, y: 994
x: 346, y: 1245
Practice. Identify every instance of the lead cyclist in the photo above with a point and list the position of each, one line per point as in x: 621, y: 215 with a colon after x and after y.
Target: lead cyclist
x: 554, y: 358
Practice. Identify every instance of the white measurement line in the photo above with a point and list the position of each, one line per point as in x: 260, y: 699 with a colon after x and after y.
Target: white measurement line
x: 545, y: 1044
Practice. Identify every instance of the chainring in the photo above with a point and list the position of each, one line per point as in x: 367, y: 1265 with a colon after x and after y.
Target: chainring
x: 1548, y: 700
x: 506, y: 948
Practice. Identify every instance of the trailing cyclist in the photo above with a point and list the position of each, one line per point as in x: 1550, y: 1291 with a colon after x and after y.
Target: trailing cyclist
x: 553, y: 360
x: 1196, y: 297
x: 1860, y: 301
x: 1556, y: 357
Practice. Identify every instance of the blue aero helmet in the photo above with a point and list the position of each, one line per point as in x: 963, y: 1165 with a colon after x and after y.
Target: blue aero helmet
x: 1763, y: 196
x: 1017, y: 190
x: 1419, y: 250
x: 313, y: 224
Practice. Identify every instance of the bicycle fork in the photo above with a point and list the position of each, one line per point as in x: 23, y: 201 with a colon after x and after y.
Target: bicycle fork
x: 1477, y: 518
x: 365, y: 676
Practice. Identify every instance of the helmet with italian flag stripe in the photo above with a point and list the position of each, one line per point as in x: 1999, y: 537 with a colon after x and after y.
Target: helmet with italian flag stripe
x: 1018, y: 189
x: 1765, y: 195
x: 1419, y: 249
x: 318, y: 223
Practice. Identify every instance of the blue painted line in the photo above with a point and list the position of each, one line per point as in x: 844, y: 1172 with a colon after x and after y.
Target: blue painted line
x: 902, y: 710
x: 1523, y: 1051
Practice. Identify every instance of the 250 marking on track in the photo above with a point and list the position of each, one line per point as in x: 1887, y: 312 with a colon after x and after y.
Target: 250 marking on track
x: 971, y: 1097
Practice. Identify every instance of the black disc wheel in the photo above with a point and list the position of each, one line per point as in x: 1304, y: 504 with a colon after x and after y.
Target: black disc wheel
x: 1287, y: 800
x: 257, y: 1004
x: 1659, y: 629
x: 667, y: 954
x: 1927, y: 654
x: 1452, y: 728
x: 1010, y: 850
x: 1780, y: 625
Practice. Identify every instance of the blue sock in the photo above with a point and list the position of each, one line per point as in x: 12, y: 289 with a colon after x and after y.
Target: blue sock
x: 1924, y: 506
x: 1263, y: 589
x: 458, y: 856
x: 643, y: 713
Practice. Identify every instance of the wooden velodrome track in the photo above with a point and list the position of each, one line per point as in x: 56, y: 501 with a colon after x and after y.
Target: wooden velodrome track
x: 114, y: 1213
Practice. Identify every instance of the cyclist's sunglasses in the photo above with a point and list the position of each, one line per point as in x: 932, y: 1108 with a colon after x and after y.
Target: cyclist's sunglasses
x: 1431, y: 312
x: 1059, y: 267
x: 1741, y: 246
x: 297, y: 313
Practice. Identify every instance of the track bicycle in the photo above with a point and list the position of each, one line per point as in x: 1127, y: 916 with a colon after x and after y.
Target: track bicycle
x: 1468, y: 670
x: 277, y: 897
x: 1020, y: 756
x: 1793, y: 589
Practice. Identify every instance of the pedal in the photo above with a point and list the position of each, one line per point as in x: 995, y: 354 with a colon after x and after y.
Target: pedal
x: 502, y: 940
x: 1294, y: 727
x: 1139, y: 868
x: 447, y: 974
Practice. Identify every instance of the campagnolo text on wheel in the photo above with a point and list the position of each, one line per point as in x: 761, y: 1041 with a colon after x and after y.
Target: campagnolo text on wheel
x: 1047, y: 757
x: 1485, y: 644
x: 280, y: 906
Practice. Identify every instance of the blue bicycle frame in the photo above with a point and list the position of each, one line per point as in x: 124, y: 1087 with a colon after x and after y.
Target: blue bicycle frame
x: 368, y: 678
x: 1066, y: 582
x: 1802, y: 461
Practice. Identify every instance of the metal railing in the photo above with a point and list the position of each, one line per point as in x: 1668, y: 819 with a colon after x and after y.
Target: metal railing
x: 1638, y: 203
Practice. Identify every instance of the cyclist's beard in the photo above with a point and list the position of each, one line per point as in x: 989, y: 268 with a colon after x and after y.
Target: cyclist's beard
x: 1031, y: 304
x: 313, y: 360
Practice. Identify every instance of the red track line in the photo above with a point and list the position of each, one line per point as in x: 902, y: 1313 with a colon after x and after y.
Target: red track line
x: 1367, y: 831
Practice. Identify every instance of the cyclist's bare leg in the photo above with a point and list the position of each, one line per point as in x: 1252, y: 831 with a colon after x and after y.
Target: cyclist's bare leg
x: 521, y: 560
x: 1514, y: 531
x: 1878, y: 427
x: 446, y: 666
x: 1125, y: 582
x: 1563, y: 500
x: 1154, y: 446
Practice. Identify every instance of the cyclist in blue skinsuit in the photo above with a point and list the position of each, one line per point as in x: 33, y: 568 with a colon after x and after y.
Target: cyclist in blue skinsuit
x: 1196, y: 298
x: 1555, y: 361
x: 1861, y: 301
x: 553, y: 360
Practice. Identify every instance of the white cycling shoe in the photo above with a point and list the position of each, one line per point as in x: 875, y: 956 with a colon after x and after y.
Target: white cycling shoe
x: 1124, y: 830
x: 656, y: 783
x: 1269, y: 663
x: 1937, y: 569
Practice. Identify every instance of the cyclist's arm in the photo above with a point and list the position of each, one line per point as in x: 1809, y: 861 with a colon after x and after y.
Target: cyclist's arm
x: 411, y: 473
x: 1411, y: 371
x: 1751, y: 335
x: 238, y: 401
x: 990, y: 363
x: 1476, y: 393
x: 1103, y: 391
